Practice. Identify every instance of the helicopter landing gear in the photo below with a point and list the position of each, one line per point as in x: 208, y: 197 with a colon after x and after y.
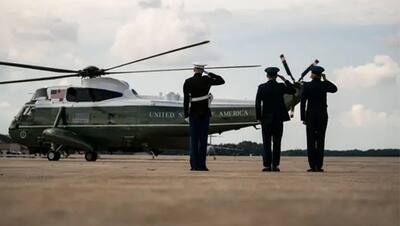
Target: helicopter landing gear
x: 91, y: 156
x: 53, y: 156
x: 55, y: 153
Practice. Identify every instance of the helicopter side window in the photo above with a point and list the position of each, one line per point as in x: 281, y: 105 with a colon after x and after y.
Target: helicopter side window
x: 57, y: 94
x: 40, y: 93
x: 71, y: 95
x: 90, y: 94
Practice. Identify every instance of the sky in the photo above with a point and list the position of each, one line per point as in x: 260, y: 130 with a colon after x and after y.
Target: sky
x: 356, y: 41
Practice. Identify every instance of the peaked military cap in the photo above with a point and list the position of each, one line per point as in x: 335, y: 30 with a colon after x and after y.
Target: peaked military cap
x: 199, y: 65
x: 317, y: 69
x: 273, y: 71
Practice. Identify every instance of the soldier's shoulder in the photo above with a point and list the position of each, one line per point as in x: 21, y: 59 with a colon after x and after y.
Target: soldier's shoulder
x: 205, y: 77
x: 188, y: 79
x: 262, y: 85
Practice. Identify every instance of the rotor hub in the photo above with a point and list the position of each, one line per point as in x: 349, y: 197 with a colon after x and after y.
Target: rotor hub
x: 91, y: 72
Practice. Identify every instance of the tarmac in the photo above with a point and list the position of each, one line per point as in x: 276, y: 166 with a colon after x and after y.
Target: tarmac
x: 138, y: 190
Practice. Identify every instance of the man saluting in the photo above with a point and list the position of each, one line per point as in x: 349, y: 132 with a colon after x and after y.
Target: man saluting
x: 197, y: 112
x: 314, y: 115
x: 272, y: 112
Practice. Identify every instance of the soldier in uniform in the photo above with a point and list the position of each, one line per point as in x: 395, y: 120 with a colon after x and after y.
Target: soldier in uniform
x: 272, y: 112
x: 197, y: 113
x: 314, y: 115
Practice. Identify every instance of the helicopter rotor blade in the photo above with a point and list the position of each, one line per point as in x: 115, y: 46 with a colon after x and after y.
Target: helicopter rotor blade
x: 235, y: 66
x: 179, y: 69
x: 159, y: 54
x: 38, y: 79
x: 308, y: 69
x: 36, y: 67
x: 286, y: 66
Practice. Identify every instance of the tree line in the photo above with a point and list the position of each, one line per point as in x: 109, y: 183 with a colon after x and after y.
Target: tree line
x: 247, y: 148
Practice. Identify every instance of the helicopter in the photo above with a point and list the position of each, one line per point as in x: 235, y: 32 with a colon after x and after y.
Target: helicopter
x: 105, y: 114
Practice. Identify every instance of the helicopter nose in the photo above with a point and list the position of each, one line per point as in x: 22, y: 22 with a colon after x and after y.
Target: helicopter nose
x: 13, y: 125
x: 13, y: 132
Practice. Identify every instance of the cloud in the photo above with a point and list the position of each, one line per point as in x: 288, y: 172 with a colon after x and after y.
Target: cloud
x: 154, y: 30
x: 46, y: 29
x: 36, y: 39
x: 393, y: 40
x: 360, y: 116
x: 360, y: 12
x: 368, y: 75
x: 150, y: 4
x: 4, y: 104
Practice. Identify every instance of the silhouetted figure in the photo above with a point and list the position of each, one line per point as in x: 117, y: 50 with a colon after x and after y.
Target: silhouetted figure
x: 314, y: 115
x: 272, y: 112
x: 197, y: 113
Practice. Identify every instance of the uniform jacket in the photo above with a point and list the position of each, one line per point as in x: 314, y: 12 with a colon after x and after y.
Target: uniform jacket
x: 270, y: 105
x: 313, y: 104
x: 198, y: 86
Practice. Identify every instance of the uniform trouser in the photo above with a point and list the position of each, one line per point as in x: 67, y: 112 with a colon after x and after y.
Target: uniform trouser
x: 272, y: 132
x: 198, y: 141
x: 316, y: 143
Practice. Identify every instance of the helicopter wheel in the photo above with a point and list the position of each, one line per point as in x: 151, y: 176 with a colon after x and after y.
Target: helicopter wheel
x: 53, y: 156
x: 91, y: 156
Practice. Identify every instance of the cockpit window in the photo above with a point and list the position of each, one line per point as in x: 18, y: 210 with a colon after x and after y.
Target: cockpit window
x: 90, y: 94
x: 40, y: 93
x: 27, y: 111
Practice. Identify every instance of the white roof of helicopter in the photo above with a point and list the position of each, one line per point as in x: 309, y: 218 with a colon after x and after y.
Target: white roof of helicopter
x: 129, y: 98
x: 106, y: 83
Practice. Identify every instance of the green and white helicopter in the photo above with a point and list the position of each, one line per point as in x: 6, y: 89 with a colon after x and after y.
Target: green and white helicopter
x: 105, y: 114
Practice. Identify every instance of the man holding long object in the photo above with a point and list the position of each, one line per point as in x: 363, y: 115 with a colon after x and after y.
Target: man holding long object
x: 314, y: 115
x: 272, y: 112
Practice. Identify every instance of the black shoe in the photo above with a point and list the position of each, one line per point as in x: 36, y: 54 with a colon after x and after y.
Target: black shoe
x: 276, y: 169
x: 311, y: 170
x: 320, y: 170
x: 203, y: 169
x: 266, y: 169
